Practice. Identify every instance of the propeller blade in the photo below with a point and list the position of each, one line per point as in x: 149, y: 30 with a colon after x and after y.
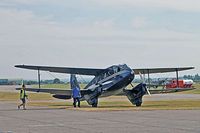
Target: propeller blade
x: 143, y: 82
x: 148, y: 91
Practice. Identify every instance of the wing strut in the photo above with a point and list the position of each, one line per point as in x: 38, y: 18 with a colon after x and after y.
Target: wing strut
x: 148, y: 78
x: 177, y: 78
x: 39, y: 77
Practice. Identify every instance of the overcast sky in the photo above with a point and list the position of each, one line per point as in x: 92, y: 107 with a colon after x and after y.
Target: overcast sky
x: 98, y: 33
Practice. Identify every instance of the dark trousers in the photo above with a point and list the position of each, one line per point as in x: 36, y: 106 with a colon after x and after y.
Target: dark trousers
x: 75, y: 101
x: 23, y: 100
x: 23, y: 103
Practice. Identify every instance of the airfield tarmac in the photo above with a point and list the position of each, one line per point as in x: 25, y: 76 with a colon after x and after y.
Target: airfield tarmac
x: 46, y: 120
x: 42, y: 119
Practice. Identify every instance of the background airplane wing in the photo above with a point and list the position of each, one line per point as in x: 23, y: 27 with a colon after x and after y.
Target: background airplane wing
x: 80, y: 71
x: 160, y: 70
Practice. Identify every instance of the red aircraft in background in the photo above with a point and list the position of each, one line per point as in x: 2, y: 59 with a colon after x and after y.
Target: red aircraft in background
x: 179, y: 84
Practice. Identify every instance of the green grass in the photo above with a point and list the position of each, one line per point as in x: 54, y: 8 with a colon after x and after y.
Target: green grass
x: 8, y: 96
x: 11, y: 96
x: 113, y: 103
x: 106, y: 104
x: 126, y: 105
x: 195, y: 91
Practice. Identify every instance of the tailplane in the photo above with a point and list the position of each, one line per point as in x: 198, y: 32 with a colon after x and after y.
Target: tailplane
x: 74, y: 82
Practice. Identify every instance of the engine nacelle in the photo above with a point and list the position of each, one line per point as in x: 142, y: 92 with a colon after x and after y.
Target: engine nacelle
x: 135, y: 95
x: 92, y: 98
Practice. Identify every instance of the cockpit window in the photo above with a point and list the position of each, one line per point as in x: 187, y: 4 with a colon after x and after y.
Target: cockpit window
x: 122, y: 67
x: 108, y: 72
x: 116, y: 69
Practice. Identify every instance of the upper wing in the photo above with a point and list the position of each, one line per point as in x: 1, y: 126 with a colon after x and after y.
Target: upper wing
x: 80, y: 71
x: 160, y: 70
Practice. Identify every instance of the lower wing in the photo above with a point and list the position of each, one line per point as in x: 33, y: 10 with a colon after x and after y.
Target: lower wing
x: 57, y: 93
x: 172, y: 90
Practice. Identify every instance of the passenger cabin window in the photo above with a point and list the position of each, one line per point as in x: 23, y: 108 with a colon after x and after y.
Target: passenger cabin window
x: 110, y: 72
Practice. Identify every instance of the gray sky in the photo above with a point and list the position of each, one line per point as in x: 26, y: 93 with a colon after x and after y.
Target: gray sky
x: 93, y: 33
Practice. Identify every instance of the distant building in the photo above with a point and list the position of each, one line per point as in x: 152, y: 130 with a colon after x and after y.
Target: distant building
x: 3, y: 81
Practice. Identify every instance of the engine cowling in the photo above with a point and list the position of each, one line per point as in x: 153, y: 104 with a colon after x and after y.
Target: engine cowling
x: 92, y: 98
x: 136, y: 94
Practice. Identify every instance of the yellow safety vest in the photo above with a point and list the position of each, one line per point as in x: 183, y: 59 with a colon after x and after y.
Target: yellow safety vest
x: 22, y: 94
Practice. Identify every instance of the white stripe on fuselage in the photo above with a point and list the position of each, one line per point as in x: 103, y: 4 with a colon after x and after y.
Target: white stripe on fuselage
x: 110, y: 77
x: 107, y: 82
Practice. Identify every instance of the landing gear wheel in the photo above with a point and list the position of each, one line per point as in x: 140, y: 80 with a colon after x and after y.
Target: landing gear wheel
x: 94, y: 105
x: 138, y: 104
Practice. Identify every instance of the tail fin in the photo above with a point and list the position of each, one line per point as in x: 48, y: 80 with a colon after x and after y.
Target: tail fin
x: 22, y: 83
x: 73, y: 81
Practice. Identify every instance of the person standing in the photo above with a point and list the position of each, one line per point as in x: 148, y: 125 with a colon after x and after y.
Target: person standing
x: 76, y: 96
x: 23, y: 97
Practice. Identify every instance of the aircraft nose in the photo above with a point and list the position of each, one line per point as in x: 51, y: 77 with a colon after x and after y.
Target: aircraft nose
x: 132, y: 74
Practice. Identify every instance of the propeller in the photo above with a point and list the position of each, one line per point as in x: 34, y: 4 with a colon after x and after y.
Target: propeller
x: 143, y: 82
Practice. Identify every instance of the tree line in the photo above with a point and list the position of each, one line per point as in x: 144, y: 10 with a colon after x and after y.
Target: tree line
x: 195, y: 77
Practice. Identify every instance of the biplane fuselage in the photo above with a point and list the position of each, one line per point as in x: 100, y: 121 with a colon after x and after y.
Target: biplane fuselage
x: 113, y: 80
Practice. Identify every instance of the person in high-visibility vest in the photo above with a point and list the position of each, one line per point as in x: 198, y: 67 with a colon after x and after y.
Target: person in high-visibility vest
x: 23, y: 97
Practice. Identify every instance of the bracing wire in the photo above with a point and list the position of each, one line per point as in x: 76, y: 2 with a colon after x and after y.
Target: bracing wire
x: 82, y: 78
